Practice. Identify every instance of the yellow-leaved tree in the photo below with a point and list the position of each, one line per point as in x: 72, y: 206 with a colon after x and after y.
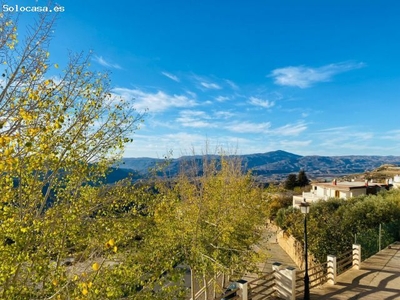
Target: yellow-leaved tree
x: 64, y: 233
x: 211, y: 218
x: 59, y: 226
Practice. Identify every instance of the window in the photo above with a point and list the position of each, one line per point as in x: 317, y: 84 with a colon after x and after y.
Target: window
x: 337, y: 194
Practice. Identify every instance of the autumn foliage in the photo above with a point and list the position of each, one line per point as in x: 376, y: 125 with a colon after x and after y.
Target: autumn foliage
x: 64, y: 234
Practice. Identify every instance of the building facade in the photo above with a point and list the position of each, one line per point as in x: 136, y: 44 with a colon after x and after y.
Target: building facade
x: 335, y: 189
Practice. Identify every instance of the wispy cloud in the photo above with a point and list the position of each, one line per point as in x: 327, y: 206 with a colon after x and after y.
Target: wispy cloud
x: 154, y: 102
x: 171, y: 76
x: 344, y: 137
x: 304, y: 77
x: 100, y: 60
x: 221, y: 98
x: 223, y: 114
x: 290, y: 129
x: 204, y: 82
x: 191, y: 94
x: 232, y: 84
x: 393, y: 135
x: 294, y: 144
x: 260, y: 102
x: 266, y: 128
x: 201, y: 119
x: 248, y: 127
x: 343, y: 133
x: 210, y: 85
x: 194, y: 119
x: 335, y: 129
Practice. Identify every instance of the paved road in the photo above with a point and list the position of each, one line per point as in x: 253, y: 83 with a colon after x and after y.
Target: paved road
x: 378, y: 278
x: 275, y: 254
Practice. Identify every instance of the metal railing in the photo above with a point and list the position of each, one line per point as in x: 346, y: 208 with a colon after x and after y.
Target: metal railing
x: 317, y: 275
x: 262, y: 287
x: 210, y: 289
x: 344, y: 262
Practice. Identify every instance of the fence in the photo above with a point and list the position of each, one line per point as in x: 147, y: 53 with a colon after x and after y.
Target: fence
x: 288, y: 283
x: 374, y: 239
x: 262, y: 287
x: 344, y: 262
x: 212, y: 287
x: 317, y: 276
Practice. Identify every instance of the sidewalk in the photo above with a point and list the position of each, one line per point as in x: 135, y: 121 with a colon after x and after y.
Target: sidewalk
x: 378, y: 278
x: 275, y: 254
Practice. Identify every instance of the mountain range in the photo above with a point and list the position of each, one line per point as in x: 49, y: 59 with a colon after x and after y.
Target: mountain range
x: 271, y: 166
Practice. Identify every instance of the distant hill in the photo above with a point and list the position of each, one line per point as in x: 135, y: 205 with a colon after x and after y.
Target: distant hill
x: 275, y: 165
x: 379, y: 174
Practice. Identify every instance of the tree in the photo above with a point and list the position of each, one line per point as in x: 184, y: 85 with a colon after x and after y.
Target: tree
x: 63, y: 233
x: 212, y: 221
x: 302, y: 179
x: 291, y: 182
x: 58, y: 137
x: 277, y: 197
x: 334, y: 223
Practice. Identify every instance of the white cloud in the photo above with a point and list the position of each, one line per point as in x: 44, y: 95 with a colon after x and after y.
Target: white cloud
x: 304, y: 77
x: 160, y: 145
x: 260, y: 102
x: 104, y: 63
x: 200, y: 119
x: 247, y: 127
x: 344, y: 133
x: 290, y: 129
x: 266, y: 128
x: 171, y: 76
x: 344, y: 138
x: 334, y: 129
x: 232, y: 84
x: 221, y: 98
x: 210, y: 85
x: 223, y: 114
x: 294, y: 144
x: 305, y: 114
x: 195, y: 119
x: 191, y: 94
x: 154, y: 102
x: 392, y: 135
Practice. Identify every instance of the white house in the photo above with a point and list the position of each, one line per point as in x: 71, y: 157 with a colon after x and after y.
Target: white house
x: 341, y: 189
x: 395, y: 181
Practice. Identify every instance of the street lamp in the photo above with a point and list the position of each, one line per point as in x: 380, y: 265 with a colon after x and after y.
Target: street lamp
x: 305, y: 209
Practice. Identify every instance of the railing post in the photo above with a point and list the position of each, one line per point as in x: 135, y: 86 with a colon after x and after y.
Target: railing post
x: 285, y: 281
x: 276, y: 267
x: 356, y: 256
x: 291, y: 274
x: 243, y: 291
x: 331, y: 269
x: 192, y: 291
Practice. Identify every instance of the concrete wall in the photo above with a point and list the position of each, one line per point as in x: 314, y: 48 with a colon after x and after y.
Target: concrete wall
x: 319, y: 191
x: 292, y: 247
x: 295, y: 250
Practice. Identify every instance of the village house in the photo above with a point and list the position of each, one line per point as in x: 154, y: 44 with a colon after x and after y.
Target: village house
x: 339, y: 189
x: 395, y: 181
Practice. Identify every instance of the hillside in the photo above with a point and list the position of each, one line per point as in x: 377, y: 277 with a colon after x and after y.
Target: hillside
x: 276, y: 165
x: 379, y: 174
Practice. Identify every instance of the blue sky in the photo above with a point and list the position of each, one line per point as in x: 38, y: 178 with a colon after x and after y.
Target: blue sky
x: 308, y: 77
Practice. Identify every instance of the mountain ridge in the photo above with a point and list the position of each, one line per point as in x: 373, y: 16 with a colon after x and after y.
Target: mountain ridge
x: 275, y: 165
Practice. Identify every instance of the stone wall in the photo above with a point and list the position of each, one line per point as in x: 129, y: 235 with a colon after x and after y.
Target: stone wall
x: 295, y: 250
x: 292, y: 247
